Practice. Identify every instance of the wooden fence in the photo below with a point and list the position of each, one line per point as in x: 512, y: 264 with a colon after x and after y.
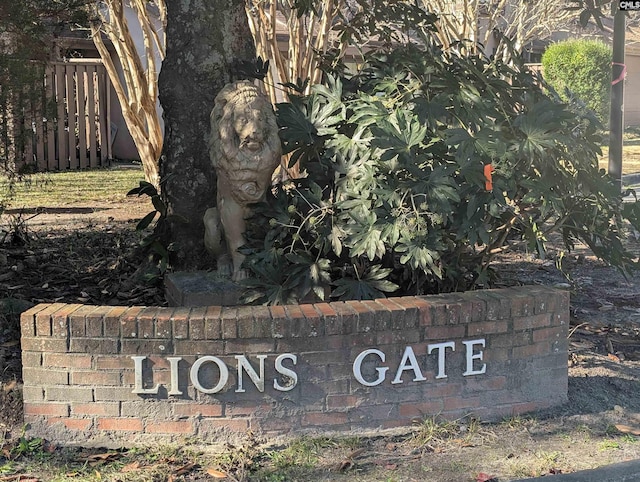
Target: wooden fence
x: 70, y: 128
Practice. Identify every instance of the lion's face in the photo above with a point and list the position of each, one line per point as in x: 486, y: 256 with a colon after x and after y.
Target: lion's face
x: 244, y: 143
x: 250, y: 125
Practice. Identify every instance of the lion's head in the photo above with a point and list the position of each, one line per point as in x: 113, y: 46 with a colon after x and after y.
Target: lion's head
x: 243, y: 124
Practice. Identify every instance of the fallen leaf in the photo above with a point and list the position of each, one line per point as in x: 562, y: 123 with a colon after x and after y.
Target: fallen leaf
x: 613, y: 357
x: 185, y: 469
x: 7, y: 387
x: 482, y: 477
x: 356, y: 453
x: 216, y: 474
x: 131, y: 467
x: 628, y: 429
x: 104, y: 456
x: 391, y: 466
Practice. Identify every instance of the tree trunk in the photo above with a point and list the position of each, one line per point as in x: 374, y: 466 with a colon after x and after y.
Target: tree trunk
x: 204, y: 40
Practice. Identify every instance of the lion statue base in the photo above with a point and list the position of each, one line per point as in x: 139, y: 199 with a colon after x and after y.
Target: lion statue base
x: 244, y: 149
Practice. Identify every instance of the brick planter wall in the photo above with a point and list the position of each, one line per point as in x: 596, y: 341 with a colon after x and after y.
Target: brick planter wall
x: 122, y: 376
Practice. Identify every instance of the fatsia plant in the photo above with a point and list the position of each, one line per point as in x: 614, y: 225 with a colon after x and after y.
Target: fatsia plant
x: 419, y: 170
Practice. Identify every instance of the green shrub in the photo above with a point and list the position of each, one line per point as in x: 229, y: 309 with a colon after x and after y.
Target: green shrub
x: 582, y: 67
x: 396, y: 200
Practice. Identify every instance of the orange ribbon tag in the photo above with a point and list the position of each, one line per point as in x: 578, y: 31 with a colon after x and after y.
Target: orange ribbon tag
x: 488, y: 184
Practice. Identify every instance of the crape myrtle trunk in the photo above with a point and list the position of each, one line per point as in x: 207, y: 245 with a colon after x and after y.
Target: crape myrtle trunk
x: 205, y: 39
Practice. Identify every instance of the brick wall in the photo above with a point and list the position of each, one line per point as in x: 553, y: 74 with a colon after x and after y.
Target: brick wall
x: 122, y: 376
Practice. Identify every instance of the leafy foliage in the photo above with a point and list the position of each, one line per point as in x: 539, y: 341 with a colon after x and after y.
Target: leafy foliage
x: 156, y: 250
x: 581, y: 68
x: 396, y: 197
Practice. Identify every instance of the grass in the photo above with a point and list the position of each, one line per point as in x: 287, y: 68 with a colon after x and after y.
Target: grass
x: 71, y: 187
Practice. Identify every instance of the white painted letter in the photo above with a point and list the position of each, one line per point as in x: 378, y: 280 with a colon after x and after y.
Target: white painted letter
x: 173, y: 364
x: 137, y: 364
x: 293, y: 376
x: 409, y: 362
x: 224, y: 374
x: 357, y: 368
x: 243, y: 364
x: 471, y: 356
x: 442, y: 350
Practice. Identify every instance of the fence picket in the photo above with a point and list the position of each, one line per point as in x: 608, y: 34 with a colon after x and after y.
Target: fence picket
x: 81, y: 72
x: 70, y: 129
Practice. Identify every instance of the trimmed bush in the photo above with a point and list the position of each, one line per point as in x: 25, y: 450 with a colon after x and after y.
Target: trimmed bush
x: 582, y: 67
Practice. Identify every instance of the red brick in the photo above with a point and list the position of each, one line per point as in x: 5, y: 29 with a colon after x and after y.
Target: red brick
x: 522, y: 305
x: 129, y: 424
x: 235, y: 425
x: 394, y: 424
x: 522, y: 408
x: 28, y: 319
x: 55, y: 345
x: 474, y: 384
x: 81, y: 424
x: 329, y: 318
x: 146, y: 322
x: 529, y: 351
x: 201, y: 347
x: 507, y: 340
x: 324, y: 419
x: 69, y: 394
x: 532, y: 321
x: 78, y: 320
x: 31, y: 359
x: 63, y: 360
x: 229, y: 323
x: 114, y: 362
x: 96, y: 408
x: 44, y: 376
x: 455, y: 403
x: 244, y: 409
x: 487, y: 328
x: 43, y: 319
x: 551, y: 334
x: 197, y: 410
x: 213, y: 313
x: 212, y: 328
x: 496, y: 354
x: 342, y: 401
x: 397, y: 313
x: 94, y: 321
x: 444, y: 390
x: 112, y: 394
x: 32, y: 394
x: 60, y: 319
x: 47, y: 409
x: 93, y: 345
x: 249, y: 346
x: 446, y: 332
x: 497, y: 305
x: 162, y: 323
x: 112, y: 320
x: 180, y: 426
x: 420, y: 409
x: 277, y: 311
x: 197, y: 323
x: 95, y: 378
x: 129, y: 322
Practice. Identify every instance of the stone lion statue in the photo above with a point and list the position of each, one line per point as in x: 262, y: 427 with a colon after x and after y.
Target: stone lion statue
x: 244, y: 148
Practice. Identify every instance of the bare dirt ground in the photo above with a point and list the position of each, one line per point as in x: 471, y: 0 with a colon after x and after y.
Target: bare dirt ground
x: 89, y: 254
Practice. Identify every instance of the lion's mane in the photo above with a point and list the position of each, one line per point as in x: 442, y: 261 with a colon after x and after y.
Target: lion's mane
x: 248, y: 172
